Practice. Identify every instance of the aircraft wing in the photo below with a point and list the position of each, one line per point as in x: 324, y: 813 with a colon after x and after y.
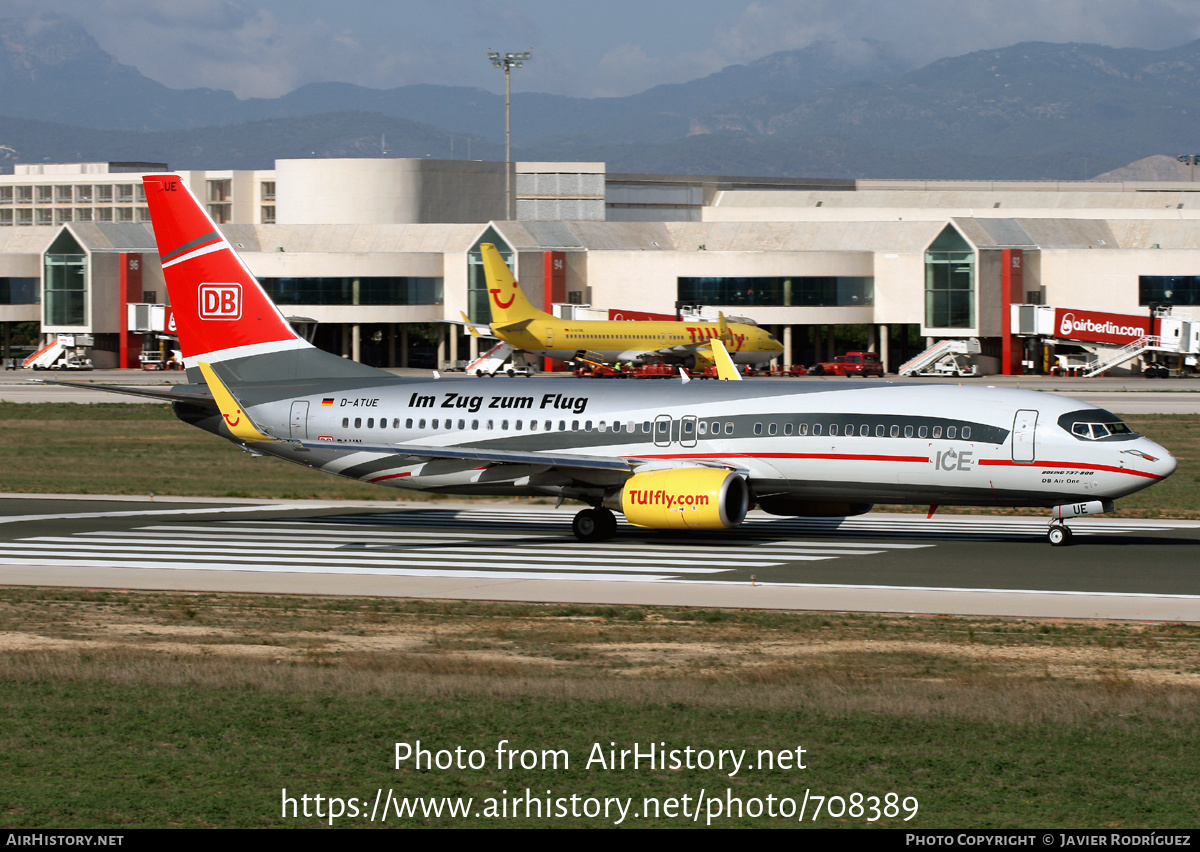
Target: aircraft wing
x: 177, y: 393
x: 422, y: 451
x: 476, y: 329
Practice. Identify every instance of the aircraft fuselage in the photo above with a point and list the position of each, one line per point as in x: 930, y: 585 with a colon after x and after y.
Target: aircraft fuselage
x: 834, y: 443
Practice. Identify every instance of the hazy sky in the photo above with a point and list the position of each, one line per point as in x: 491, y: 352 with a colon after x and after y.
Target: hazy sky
x: 584, y: 48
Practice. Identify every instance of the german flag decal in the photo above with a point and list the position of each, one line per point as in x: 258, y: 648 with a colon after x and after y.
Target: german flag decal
x: 327, y: 403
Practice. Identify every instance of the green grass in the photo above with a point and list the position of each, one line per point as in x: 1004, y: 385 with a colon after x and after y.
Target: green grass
x: 197, y: 710
x: 117, y: 448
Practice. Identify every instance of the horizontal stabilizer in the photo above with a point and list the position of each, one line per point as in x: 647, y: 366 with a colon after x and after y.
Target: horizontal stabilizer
x: 194, y: 394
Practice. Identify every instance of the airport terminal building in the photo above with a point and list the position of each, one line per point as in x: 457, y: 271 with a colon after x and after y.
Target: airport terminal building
x: 381, y: 253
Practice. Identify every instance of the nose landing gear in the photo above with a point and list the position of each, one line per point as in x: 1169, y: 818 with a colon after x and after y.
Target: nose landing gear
x: 1059, y: 534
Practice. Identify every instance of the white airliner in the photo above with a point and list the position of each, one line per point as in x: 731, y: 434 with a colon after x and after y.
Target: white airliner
x: 668, y: 455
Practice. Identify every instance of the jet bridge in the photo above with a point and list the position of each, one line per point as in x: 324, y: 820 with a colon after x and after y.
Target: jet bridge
x: 1115, y: 338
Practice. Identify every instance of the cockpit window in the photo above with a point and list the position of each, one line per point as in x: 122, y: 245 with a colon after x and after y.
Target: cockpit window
x: 1095, y: 424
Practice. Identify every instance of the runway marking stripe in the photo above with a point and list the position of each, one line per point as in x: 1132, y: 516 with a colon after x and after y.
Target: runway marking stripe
x: 426, y: 517
x: 359, y: 569
x: 204, y: 534
x: 678, y: 566
x: 341, y: 545
x: 143, y: 512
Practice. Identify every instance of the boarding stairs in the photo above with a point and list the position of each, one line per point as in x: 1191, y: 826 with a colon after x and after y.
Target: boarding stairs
x: 942, y: 349
x: 491, y: 362
x: 46, y: 357
x: 1125, y: 353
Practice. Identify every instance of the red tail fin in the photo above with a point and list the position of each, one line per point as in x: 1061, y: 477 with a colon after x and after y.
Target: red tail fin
x: 221, y: 311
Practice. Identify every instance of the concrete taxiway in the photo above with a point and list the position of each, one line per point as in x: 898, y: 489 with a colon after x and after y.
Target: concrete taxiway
x: 971, y: 565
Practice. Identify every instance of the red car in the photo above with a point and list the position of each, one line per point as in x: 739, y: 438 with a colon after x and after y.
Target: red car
x: 851, y: 364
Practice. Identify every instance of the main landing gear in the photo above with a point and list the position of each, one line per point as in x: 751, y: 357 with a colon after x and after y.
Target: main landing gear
x: 594, y: 525
x: 1059, y: 534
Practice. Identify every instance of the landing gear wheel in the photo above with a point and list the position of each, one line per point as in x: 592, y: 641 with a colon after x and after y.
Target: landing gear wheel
x: 594, y: 525
x: 1059, y: 535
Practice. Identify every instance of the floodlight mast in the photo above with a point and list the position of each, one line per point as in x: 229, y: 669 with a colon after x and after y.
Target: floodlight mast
x: 1190, y: 160
x: 508, y: 61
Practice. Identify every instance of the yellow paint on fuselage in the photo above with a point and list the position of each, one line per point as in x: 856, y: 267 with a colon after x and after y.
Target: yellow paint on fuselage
x: 518, y: 323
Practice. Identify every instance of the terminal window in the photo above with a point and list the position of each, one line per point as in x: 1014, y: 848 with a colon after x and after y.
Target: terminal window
x: 779, y: 291
x: 1176, y: 289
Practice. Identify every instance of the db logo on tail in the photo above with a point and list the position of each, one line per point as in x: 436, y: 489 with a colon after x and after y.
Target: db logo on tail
x: 220, y: 301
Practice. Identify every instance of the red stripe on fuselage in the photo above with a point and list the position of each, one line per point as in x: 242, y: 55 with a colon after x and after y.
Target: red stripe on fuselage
x: 905, y: 459
x: 1079, y: 465
x: 841, y: 456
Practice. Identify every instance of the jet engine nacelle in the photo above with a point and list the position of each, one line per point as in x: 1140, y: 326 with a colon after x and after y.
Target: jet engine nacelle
x: 685, y: 498
x: 1076, y: 510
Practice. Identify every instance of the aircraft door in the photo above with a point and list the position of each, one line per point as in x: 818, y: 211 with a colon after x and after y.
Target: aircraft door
x: 1024, y: 427
x: 687, y: 431
x: 662, y: 431
x: 300, y: 420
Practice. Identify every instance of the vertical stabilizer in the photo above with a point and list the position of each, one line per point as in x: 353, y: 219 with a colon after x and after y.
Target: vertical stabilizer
x: 509, y: 303
x: 222, y: 314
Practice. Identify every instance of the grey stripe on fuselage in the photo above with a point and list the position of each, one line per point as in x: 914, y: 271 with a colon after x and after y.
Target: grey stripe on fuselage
x: 390, y: 400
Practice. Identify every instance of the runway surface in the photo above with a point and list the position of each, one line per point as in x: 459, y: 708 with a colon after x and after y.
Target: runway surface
x: 1144, y: 570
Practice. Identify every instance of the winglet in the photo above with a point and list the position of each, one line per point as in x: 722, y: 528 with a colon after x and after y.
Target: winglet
x: 726, y: 371
x: 723, y: 327
x: 237, y: 421
x: 470, y: 325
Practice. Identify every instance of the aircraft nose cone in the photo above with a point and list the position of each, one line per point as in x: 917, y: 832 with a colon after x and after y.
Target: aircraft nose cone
x: 1170, y: 464
x: 1165, y: 463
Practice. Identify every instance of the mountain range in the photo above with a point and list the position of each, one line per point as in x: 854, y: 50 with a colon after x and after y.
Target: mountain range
x: 832, y: 109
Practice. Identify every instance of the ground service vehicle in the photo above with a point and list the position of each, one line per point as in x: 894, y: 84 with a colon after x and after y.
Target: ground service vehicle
x: 863, y: 364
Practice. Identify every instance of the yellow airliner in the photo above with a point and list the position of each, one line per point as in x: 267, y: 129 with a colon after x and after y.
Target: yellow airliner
x: 518, y: 323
